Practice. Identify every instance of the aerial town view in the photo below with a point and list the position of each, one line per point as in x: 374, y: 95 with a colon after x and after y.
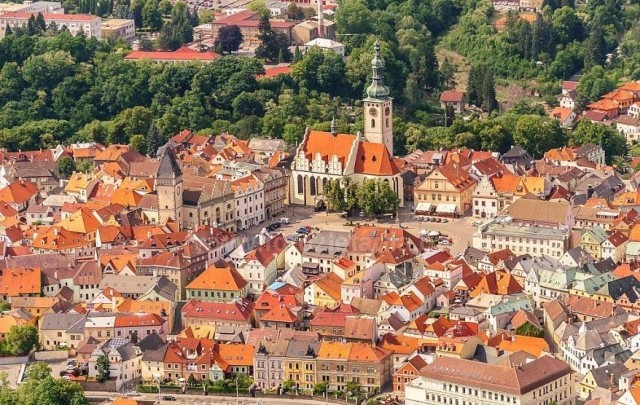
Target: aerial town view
x: 369, y: 202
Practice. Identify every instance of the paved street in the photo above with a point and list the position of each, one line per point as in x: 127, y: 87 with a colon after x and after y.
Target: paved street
x: 211, y: 400
x: 459, y: 230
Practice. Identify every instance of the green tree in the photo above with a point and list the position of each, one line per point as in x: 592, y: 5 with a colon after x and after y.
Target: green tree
x: 528, y: 329
x: 206, y: 16
x: 377, y: 197
x: 320, y: 388
x: 448, y: 74
x: 322, y: 71
x: 294, y: 12
x: 38, y: 371
x: 42, y: 388
x: 85, y: 166
x: 538, y: 134
x: 230, y: 38
x: 66, y: 166
x: 613, y: 143
x: 179, y: 31
x: 154, y: 139
x: 41, y: 24
x: 596, y: 50
x: 151, y: 15
x: 489, y: 102
x: 139, y: 144
x: 274, y: 45
x: 165, y: 7
x: 21, y: 339
x: 102, y: 364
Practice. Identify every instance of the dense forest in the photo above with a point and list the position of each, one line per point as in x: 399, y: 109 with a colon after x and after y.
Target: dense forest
x: 60, y: 88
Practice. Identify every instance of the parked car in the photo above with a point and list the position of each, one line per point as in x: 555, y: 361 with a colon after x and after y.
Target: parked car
x: 133, y: 394
x: 71, y: 364
x: 168, y: 398
x: 284, y: 221
x: 303, y: 230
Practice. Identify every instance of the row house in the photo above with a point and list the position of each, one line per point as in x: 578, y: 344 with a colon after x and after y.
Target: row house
x: 220, y: 282
x: 181, y: 266
x: 493, y: 194
x: 237, y: 314
x: 340, y: 363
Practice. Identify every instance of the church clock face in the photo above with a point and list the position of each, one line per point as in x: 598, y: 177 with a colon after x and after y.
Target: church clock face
x: 387, y: 111
x: 373, y: 112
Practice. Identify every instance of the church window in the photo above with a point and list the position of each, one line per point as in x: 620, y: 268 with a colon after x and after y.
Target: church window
x: 312, y: 186
x: 373, y: 123
x: 300, y: 184
x: 386, y: 123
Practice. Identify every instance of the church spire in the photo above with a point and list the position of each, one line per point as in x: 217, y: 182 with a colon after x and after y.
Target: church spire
x: 377, y: 89
x: 334, y: 126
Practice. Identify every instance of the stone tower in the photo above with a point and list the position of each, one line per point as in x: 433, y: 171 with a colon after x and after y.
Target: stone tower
x: 169, y: 188
x: 378, y: 106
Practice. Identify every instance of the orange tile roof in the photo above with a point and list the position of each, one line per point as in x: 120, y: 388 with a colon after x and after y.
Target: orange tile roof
x: 147, y: 306
x: 334, y: 350
x: 327, y: 145
x: 604, y: 104
x: 399, y: 343
x: 561, y: 113
x: 236, y: 354
x: 18, y: 192
x: 15, y: 282
x: 136, y: 320
x: 630, y: 86
x: 374, y: 158
x: 330, y: 284
x: 619, y: 95
x: 367, y: 353
x: 219, y: 279
x: 279, y: 314
x: 532, y: 345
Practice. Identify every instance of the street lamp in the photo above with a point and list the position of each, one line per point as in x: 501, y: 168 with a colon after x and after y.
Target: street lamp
x: 237, y: 392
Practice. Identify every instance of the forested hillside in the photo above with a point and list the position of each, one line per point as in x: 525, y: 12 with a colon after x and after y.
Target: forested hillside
x: 59, y: 88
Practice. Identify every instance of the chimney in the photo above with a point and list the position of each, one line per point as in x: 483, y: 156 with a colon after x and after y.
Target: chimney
x: 320, y: 20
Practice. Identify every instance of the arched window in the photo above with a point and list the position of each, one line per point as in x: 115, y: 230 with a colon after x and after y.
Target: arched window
x: 300, y: 184
x: 373, y: 123
x: 387, y: 122
x: 312, y: 186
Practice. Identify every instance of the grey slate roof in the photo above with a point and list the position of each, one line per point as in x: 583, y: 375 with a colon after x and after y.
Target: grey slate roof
x: 52, y: 321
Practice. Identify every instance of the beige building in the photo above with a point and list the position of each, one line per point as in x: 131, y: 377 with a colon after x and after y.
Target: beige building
x: 455, y: 381
x: 75, y: 23
x: 247, y: 21
x: 447, y: 189
x: 118, y: 28
x: 309, y: 30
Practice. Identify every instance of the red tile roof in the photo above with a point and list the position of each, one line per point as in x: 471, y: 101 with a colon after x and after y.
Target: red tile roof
x: 452, y: 96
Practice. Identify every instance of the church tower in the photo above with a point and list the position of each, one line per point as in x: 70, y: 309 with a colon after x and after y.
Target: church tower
x: 378, y: 106
x: 169, y: 188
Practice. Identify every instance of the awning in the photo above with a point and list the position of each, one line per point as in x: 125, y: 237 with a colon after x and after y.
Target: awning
x: 446, y: 208
x: 423, y: 207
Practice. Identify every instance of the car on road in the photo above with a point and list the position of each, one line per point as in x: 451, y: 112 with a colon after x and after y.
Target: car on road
x: 303, y: 230
x: 133, y: 394
x: 71, y: 364
x: 168, y: 398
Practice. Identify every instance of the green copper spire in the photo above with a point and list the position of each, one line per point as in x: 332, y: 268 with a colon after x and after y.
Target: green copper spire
x: 377, y: 89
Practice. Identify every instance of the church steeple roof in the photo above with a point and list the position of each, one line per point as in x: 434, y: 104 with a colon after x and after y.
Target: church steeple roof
x: 377, y: 89
x: 169, y: 167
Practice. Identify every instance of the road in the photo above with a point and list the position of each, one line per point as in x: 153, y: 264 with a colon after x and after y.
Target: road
x: 211, y: 400
x: 460, y: 230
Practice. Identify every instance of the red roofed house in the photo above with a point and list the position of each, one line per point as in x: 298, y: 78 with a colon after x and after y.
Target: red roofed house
x: 247, y: 21
x: 260, y: 265
x: 449, y: 187
x: 608, y: 107
x: 454, y: 99
x: 19, y: 194
x: 238, y: 314
x: 566, y: 116
x: 220, y: 282
x: 140, y: 324
x: 324, y: 156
